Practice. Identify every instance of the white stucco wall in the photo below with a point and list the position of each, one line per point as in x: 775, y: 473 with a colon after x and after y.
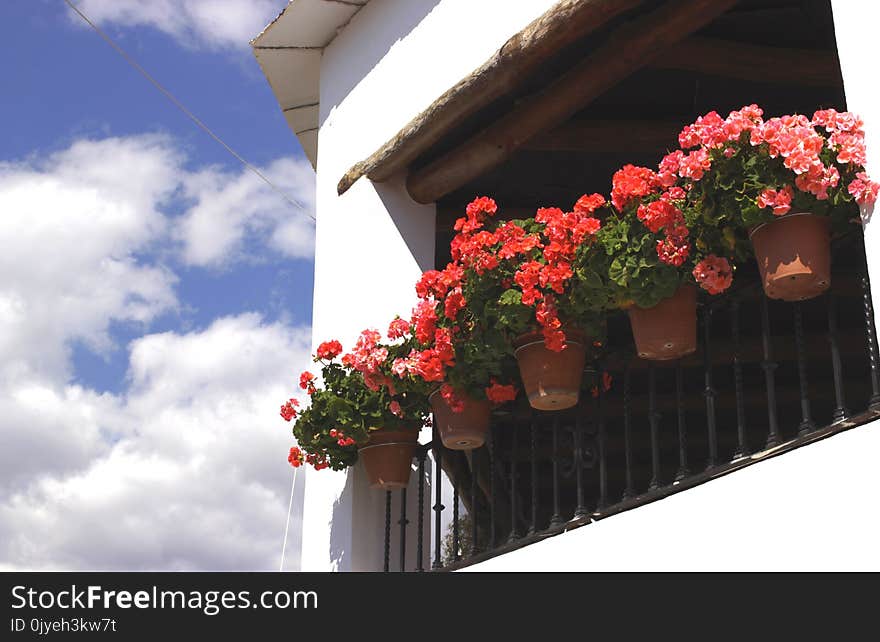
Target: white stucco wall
x: 855, y: 25
x: 389, y: 63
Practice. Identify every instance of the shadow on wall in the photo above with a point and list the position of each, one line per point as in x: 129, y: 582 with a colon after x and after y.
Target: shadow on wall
x: 293, y: 550
x: 340, y: 529
x: 416, y: 223
x: 357, y: 529
x: 379, y: 35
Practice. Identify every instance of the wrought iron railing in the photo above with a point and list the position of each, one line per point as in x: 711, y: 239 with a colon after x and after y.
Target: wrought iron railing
x: 769, y: 377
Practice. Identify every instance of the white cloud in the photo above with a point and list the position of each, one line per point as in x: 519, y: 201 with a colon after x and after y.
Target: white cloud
x: 71, y: 229
x: 234, y: 209
x: 194, y: 23
x: 186, y: 467
x: 198, y: 481
x: 47, y: 428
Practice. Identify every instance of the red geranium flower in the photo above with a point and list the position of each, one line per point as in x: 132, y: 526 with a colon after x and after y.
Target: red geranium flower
x: 288, y: 410
x: 452, y: 400
x: 328, y: 349
x: 631, y: 182
x: 498, y: 393
x: 398, y: 328
x: 713, y: 274
x: 306, y: 380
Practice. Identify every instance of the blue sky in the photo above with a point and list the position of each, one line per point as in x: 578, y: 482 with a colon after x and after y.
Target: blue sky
x: 68, y: 84
x: 155, y: 297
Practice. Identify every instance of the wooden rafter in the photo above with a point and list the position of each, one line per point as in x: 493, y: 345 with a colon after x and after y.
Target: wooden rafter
x: 628, y: 48
x: 564, y: 24
x: 606, y: 135
x: 730, y: 59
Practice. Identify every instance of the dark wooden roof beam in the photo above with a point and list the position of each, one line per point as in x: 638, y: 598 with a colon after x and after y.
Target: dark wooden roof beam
x: 629, y: 48
x: 607, y: 135
x: 742, y: 61
x: 567, y: 22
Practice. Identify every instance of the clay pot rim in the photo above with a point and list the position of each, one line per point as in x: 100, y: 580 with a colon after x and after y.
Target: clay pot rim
x: 572, y: 335
x: 682, y: 285
x: 389, y: 443
x: 459, y: 392
x: 671, y: 357
x: 759, y: 226
x: 413, y: 442
x: 533, y: 343
x: 434, y: 392
x: 415, y: 426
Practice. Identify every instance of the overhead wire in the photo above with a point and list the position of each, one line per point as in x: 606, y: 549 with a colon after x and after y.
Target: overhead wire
x: 177, y: 103
x: 287, y: 526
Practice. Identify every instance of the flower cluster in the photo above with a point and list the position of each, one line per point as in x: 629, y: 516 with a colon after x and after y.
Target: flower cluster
x: 368, y: 357
x: 297, y: 458
x: 863, y: 189
x: 453, y: 400
x: 713, y: 132
x: 328, y: 350
x: 664, y: 216
x: 630, y: 183
x: 714, y: 274
x: 442, y: 355
x: 358, y: 392
x: 499, y: 393
x: 341, y: 439
x: 757, y: 169
x: 288, y: 410
x: 506, y: 278
x: 561, y: 270
x: 307, y: 382
x: 398, y: 329
x: 658, y: 235
x: 779, y: 201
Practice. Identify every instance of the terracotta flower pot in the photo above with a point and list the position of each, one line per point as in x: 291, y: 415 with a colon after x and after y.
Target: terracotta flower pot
x: 552, y: 380
x: 794, y: 256
x: 669, y: 329
x: 388, y: 457
x: 463, y: 430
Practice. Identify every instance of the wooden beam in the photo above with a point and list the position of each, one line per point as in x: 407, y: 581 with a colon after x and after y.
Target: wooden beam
x: 522, y: 55
x: 627, y: 49
x: 628, y: 136
x: 743, y: 61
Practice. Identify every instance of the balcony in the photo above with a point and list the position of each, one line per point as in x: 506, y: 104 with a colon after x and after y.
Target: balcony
x: 769, y: 377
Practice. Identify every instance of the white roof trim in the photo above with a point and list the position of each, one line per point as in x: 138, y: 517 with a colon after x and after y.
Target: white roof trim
x: 289, y: 52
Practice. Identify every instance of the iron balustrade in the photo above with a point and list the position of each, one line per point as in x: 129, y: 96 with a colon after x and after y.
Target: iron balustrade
x: 768, y: 377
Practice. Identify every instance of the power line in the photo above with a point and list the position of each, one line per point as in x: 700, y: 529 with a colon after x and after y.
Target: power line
x: 131, y: 61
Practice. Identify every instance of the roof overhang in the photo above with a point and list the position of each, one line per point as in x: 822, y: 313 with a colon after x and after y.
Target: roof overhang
x: 519, y: 58
x: 550, y: 71
x: 289, y: 52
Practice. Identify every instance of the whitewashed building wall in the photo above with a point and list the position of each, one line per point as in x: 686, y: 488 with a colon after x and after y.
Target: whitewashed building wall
x: 395, y: 57
x: 388, y: 64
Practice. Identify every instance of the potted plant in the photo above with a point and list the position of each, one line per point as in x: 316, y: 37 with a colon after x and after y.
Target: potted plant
x: 514, y: 297
x: 360, y: 409
x: 651, y: 254
x: 789, y: 182
x: 462, y: 355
